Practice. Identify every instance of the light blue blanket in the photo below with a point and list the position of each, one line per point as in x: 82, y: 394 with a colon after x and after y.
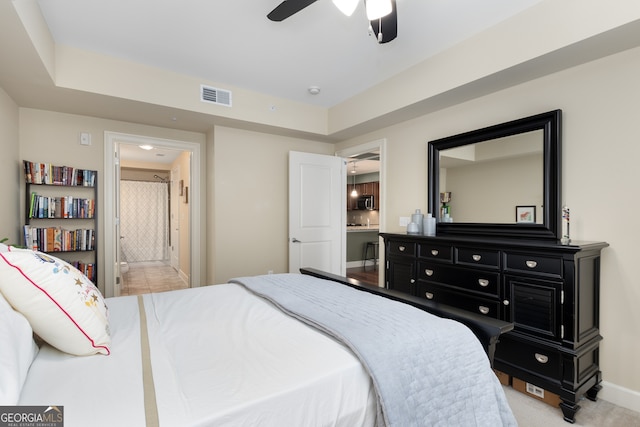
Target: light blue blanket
x: 427, y: 371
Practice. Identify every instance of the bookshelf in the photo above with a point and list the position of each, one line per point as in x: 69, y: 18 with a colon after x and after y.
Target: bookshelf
x: 61, y: 214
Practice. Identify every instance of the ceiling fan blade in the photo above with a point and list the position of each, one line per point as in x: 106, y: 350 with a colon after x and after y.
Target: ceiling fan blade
x: 389, y: 24
x: 288, y: 8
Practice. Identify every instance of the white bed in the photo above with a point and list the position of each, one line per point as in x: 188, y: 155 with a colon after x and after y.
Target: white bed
x: 275, y: 350
x: 234, y: 360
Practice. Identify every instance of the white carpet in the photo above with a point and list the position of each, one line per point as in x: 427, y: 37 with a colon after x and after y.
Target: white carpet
x: 531, y: 412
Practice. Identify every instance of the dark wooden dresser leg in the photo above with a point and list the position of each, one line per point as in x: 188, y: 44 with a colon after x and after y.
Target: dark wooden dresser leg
x: 569, y: 410
x: 592, y: 393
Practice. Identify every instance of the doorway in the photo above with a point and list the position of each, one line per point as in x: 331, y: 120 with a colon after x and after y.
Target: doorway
x: 190, y: 211
x: 146, y: 210
x: 365, y: 163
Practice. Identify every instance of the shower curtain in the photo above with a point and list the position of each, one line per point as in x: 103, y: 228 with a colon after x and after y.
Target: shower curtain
x: 144, y: 221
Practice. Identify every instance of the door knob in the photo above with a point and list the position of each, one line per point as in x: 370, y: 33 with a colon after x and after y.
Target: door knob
x: 294, y: 240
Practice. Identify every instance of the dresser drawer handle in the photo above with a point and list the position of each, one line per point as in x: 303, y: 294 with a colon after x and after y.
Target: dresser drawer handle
x: 542, y: 358
x: 483, y: 282
x: 476, y: 257
x: 428, y: 272
x: 483, y: 309
x: 434, y: 252
x: 429, y: 295
x: 531, y: 264
x: 401, y: 248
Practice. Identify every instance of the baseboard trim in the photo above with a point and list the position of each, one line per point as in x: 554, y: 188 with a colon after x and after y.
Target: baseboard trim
x: 183, y: 276
x: 620, y: 396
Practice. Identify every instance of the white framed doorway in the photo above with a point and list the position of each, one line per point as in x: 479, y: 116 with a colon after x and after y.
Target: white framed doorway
x: 379, y: 145
x: 111, y: 205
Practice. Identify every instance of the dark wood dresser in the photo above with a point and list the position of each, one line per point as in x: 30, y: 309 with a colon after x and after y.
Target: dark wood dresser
x: 549, y: 291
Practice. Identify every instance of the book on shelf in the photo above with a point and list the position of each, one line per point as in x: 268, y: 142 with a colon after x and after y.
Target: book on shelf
x: 46, y: 173
x: 60, y: 207
x: 57, y: 239
x: 88, y: 269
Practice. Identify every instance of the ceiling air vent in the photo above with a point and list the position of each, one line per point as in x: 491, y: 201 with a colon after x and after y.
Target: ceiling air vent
x: 215, y: 95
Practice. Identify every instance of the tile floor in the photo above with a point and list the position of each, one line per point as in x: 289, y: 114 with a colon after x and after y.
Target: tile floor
x: 150, y: 276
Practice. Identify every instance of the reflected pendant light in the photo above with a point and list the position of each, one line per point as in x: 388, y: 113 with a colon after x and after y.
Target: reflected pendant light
x: 376, y: 9
x: 354, y: 193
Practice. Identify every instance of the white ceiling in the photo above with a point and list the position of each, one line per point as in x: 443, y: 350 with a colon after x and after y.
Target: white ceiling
x: 233, y: 42
x: 160, y: 155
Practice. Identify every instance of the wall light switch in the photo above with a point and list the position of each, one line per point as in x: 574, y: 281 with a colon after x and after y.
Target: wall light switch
x: 404, y: 221
x: 85, y: 138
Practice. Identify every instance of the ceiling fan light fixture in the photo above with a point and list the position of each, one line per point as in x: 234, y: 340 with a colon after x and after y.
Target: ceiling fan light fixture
x: 346, y: 6
x: 376, y: 9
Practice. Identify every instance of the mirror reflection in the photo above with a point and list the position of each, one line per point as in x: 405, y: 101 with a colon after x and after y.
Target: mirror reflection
x: 486, y: 181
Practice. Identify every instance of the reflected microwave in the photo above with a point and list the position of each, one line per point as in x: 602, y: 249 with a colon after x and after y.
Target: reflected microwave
x: 365, y: 202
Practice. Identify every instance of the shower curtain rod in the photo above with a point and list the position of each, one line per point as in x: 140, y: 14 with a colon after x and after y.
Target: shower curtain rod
x: 146, y: 180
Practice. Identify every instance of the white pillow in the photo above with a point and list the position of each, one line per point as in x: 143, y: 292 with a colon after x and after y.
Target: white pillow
x: 17, y: 351
x: 63, y: 307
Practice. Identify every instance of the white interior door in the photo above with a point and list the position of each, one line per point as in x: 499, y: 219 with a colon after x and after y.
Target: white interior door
x: 174, y: 220
x: 317, y: 212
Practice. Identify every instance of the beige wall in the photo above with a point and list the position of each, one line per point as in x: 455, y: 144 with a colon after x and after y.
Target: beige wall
x: 10, y: 170
x: 141, y: 173
x: 470, y: 186
x: 250, y: 232
x: 54, y: 138
x: 599, y: 181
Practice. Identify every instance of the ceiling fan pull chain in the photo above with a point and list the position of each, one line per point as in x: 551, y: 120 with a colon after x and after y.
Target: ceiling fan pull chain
x: 379, y: 30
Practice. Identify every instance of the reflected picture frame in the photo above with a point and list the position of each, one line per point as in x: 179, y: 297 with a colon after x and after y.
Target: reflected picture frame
x: 525, y: 214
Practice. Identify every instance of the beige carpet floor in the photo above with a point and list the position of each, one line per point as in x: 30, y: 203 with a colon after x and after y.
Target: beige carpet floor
x: 531, y: 412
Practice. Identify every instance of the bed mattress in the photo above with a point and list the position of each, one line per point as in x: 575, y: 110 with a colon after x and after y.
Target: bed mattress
x: 220, y: 356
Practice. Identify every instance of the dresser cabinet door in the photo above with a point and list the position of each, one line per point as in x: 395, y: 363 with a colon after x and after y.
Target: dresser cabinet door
x: 401, y: 275
x: 534, y: 306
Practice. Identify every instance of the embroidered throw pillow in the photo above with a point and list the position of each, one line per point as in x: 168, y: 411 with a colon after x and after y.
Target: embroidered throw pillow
x: 62, y: 305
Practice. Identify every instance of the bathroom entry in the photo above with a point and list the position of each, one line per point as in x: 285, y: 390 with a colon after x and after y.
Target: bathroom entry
x: 191, y: 235
x: 151, y: 205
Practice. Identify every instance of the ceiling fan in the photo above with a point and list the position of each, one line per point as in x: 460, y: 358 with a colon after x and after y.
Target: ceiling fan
x: 382, y: 14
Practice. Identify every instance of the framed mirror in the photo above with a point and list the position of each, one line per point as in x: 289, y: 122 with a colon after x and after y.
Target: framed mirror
x: 499, y: 181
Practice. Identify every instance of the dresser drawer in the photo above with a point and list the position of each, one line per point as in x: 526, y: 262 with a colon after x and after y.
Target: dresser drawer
x: 436, y: 251
x: 402, y: 248
x: 474, y: 304
x: 486, y: 282
x: 537, y: 359
x: 478, y: 257
x: 546, y: 265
